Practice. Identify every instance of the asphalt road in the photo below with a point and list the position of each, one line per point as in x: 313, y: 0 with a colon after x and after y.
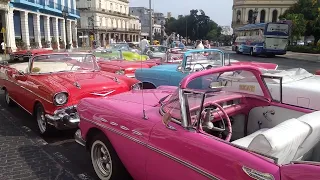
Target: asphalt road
x: 74, y: 157
x: 284, y: 63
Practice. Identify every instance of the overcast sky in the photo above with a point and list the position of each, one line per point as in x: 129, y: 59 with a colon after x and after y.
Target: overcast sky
x: 219, y: 10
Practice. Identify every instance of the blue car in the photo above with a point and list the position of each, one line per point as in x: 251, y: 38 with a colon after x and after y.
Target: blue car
x: 172, y: 74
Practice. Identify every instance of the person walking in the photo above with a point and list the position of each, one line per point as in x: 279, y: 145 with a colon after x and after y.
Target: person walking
x: 144, y: 43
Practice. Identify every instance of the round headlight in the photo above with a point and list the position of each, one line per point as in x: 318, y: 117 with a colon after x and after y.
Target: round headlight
x: 120, y: 72
x: 60, y: 98
x: 136, y: 86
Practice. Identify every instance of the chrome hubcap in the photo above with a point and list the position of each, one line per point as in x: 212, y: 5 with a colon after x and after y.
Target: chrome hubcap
x: 41, y: 120
x: 101, y: 160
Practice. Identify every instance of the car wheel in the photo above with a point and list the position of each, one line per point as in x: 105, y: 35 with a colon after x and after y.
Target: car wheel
x: 7, y: 99
x: 43, y: 126
x: 105, y: 160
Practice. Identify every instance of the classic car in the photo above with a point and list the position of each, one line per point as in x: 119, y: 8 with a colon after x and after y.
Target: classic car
x: 193, y: 61
x: 216, y: 132
x: 26, y: 54
x: 50, y: 86
x: 155, y: 51
x: 129, y: 54
x: 113, y: 61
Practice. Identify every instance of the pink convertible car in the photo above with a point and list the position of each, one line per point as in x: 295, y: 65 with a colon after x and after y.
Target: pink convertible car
x: 234, y: 129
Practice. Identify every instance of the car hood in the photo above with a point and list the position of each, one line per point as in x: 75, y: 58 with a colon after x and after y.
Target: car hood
x: 150, y: 97
x: 166, y: 67
x: 123, y: 64
x: 83, y: 84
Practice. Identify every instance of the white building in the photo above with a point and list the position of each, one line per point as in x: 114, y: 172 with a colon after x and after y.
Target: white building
x: 38, y: 23
x: 226, y: 30
x: 107, y: 19
x: 268, y: 11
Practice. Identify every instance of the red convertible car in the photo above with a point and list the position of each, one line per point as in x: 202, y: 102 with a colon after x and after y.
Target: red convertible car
x: 50, y: 86
x: 233, y: 129
x: 26, y: 54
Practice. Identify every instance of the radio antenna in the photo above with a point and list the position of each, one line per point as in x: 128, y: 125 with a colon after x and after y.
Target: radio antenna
x: 144, y: 116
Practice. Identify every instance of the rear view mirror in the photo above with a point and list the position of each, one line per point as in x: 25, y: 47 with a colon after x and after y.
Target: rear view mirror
x: 166, y: 119
x: 21, y: 76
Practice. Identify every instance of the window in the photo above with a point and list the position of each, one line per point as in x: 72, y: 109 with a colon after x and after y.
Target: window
x: 262, y: 16
x: 100, y: 4
x: 250, y: 16
x: 274, y: 15
x: 121, y: 9
x: 238, y: 16
x: 111, y: 6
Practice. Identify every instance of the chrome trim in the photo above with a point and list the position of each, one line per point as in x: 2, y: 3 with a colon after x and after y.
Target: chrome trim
x: 136, y: 132
x: 54, y: 98
x: 77, y: 85
x: 28, y: 90
x: 306, y: 162
x: 254, y: 174
x: 78, y: 138
x: 103, y: 95
x: 113, y: 124
x: 155, y: 149
x: 124, y: 128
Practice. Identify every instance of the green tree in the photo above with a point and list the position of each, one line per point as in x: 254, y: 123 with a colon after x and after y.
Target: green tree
x: 298, y: 25
x: 196, y: 25
x: 310, y: 11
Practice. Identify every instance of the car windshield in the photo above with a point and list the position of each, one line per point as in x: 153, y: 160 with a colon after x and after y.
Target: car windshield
x: 120, y: 46
x: 106, y: 54
x: 155, y: 49
x: 63, y: 63
x: 231, y: 82
x: 206, y: 59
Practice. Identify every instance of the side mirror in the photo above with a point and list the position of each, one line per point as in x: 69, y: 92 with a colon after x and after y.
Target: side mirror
x: 166, y: 119
x: 21, y: 76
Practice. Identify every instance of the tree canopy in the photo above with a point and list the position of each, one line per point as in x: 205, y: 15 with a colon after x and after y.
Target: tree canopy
x: 196, y: 25
x: 310, y: 11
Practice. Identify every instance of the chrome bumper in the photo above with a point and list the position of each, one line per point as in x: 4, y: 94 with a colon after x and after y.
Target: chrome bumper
x: 130, y: 75
x: 78, y: 138
x: 66, y: 118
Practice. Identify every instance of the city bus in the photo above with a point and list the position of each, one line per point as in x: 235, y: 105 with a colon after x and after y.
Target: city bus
x: 268, y: 39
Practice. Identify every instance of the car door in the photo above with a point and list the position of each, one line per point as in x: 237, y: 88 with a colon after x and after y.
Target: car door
x: 183, y: 154
x: 305, y: 171
x: 176, y: 77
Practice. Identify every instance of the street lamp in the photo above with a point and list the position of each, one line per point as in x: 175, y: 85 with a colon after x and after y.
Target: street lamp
x: 255, y: 15
x: 162, y: 32
x: 65, y: 15
x: 151, y: 22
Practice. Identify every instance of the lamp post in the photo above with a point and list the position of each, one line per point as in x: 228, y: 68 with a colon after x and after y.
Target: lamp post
x: 255, y: 15
x: 151, y: 23
x: 162, y: 32
x: 65, y: 15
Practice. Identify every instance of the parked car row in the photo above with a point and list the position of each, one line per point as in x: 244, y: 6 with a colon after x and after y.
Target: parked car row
x: 204, y: 116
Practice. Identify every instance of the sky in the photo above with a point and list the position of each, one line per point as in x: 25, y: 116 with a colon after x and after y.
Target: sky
x: 219, y: 11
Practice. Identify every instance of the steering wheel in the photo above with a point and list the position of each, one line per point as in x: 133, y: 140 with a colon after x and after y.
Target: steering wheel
x: 202, y: 67
x: 208, y: 124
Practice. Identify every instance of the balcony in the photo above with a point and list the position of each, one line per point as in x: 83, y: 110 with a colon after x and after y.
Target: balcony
x: 45, y: 5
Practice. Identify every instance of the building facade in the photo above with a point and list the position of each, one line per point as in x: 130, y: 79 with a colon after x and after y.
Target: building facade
x: 38, y: 23
x: 158, y: 20
x: 268, y: 11
x: 103, y: 20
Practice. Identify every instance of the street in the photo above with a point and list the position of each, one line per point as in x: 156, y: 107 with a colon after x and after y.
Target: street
x: 64, y: 151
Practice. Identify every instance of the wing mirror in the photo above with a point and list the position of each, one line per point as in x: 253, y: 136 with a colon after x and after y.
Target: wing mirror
x: 21, y: 76
x: 166, y: 119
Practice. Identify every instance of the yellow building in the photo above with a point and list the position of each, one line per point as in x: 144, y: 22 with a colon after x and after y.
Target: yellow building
x: 268, y: 11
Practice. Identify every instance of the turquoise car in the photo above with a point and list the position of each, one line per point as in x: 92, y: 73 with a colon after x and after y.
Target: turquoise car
x: 172, y: 74
x: 193, y: 61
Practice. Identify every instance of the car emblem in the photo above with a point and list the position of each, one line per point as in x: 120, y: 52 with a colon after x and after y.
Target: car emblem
x: 256, y: 174
x: 103, y: 94
x: 76, y: 84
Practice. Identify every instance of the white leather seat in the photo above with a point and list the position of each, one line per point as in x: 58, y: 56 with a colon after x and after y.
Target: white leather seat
x: 245, y: 141
x: 312, y: 120
x: 281, y: 141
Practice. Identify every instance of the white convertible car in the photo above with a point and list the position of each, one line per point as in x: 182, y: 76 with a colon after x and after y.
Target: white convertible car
x: 295, y: 87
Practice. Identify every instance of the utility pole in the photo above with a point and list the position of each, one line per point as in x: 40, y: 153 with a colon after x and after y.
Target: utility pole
x: 186, y: 30
x: 151, y: 23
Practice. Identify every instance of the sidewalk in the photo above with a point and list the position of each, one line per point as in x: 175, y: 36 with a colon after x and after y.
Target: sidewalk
x: 289, y: 55
x: 21, y: 154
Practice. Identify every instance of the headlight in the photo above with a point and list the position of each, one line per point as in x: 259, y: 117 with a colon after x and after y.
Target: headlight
x: 136, y: 86
x: 120, y: 72
x: 60, y: 98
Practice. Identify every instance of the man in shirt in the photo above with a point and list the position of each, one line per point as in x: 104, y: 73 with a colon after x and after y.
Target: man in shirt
x: 143, y: 45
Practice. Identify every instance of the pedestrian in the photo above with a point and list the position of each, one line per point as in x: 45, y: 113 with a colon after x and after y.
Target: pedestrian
x: 181, y: 44
x: 144, y: 43
x: 199, y: 45
x: 207, y: 44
